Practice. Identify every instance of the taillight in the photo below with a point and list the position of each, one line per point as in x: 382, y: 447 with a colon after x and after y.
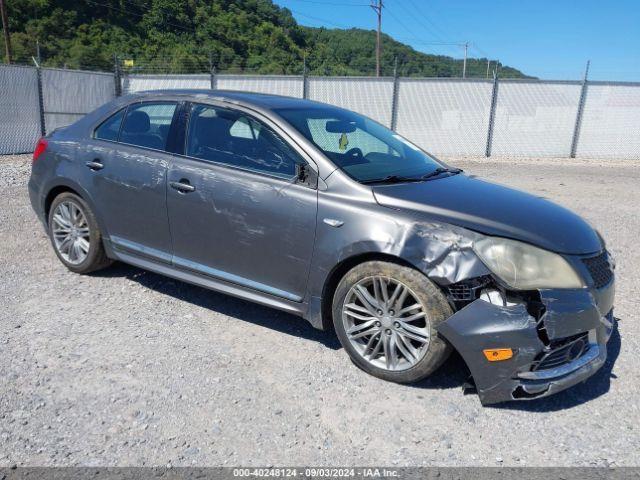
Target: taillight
x: 41, y: 146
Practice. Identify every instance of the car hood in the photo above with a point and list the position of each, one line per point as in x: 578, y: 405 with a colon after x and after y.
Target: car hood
x: 493, y: 209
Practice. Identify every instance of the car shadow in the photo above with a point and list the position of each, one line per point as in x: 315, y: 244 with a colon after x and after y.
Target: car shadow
x: 592, y: 388
x: 225, y: 304
x: 454, y: 373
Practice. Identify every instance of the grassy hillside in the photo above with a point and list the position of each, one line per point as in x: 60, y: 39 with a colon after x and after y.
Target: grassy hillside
x: 177, y: 36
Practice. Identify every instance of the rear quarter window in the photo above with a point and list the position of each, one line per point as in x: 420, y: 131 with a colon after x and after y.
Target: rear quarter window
x: 110, y: 128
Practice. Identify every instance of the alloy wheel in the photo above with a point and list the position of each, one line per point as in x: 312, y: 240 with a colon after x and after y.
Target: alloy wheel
x: 70, y: 232
x: 386, y: 323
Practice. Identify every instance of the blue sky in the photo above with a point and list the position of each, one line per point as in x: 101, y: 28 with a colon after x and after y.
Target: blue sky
x: 544, y: 38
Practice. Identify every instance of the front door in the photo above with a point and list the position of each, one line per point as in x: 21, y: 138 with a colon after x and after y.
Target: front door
x: 235, y: 208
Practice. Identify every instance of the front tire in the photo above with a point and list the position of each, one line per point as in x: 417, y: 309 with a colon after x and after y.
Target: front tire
x: 385, y: 316
x: 74, y: 234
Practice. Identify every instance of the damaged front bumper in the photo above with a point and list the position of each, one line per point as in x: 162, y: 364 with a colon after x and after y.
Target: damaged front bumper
x: 556, y: 344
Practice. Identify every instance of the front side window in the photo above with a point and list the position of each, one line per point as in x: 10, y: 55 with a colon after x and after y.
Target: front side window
x: 147, y: 125
x: 110, y: 128
x: 233, y: 138
x: 364, y: 149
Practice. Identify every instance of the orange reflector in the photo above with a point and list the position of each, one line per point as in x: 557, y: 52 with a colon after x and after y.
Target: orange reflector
x: 498, y: 354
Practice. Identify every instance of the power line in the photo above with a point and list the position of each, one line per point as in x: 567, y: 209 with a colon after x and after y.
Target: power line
x: 428, y: 20
x: 472, y: 45
x: 402, y: 25
x: 420, y: 40
x: 317, y: 19
x: 341, y: 4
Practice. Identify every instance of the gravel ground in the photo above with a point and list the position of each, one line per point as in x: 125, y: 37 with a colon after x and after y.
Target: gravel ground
x: 125, y: 367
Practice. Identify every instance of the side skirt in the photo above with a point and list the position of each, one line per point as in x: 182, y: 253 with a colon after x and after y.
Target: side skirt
x: 295, y: 308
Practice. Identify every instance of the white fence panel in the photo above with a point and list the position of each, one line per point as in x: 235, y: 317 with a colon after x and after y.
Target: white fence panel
x: 535, y: 118
x: 610, y: 122
x: 19, y: 109
x: 70, y: 94
x: 289, y: 86
x: 139, y: 83
x: 446, y: 117
x: 366, y: 95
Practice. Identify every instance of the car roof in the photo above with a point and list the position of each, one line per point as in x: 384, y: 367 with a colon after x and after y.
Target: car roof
x: 264, y: 101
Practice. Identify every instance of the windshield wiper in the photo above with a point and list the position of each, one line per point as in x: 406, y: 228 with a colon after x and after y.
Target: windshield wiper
x: 392, y: 179
x: 441, y: 170
x: 401, y: 179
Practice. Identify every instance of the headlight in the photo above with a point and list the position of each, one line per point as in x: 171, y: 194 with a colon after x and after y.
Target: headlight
x: 524, y: 267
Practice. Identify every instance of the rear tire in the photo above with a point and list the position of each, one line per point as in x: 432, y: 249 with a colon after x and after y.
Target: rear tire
x: 74, y: 234
x: 385, y: 316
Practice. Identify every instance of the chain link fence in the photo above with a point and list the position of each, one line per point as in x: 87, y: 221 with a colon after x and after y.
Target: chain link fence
x: 139, y: 83
x: 447, y: 116
x: 36, y: 101
x: 19, y: 109
x: 610, y: 125
x: 535, y: 118
x: 70, y: 94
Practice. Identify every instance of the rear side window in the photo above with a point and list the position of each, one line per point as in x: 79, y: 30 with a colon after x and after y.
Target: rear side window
x: 110, y: 128
x: 231, y: 137
x: 147, y: 125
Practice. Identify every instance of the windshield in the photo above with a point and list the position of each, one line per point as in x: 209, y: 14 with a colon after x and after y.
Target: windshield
x: 364, y: 149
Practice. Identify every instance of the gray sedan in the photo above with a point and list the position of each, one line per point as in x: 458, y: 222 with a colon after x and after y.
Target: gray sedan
x: 326, y: 214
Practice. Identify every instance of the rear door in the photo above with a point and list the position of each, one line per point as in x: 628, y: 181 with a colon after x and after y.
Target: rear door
x: 129, y: 165
x: 236, y: 211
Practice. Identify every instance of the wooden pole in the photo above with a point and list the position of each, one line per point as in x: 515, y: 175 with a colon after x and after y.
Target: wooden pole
x: 5, y: 29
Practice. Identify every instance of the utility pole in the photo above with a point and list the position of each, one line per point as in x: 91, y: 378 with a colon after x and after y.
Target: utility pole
x: 464, y: 63
x: 377, y: 7
x: 5, y: 29
x: 488, y: 65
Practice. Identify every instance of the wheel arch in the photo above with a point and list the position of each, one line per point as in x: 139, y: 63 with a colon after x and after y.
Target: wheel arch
x: 51, y: 196
x: 62, y: 185
x: 335, y: 275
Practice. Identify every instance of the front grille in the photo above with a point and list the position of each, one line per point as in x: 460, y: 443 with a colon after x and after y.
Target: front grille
x: 599, y: 269
x: 562, y: 352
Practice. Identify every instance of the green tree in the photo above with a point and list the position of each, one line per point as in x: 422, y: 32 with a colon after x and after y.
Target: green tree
x: 175, y: 36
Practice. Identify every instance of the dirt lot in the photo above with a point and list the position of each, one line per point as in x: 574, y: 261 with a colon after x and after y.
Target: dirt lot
x: 125, y: 367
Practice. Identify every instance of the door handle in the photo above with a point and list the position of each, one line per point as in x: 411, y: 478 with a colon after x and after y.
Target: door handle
x: 182, y: 186
x: 95, y: 165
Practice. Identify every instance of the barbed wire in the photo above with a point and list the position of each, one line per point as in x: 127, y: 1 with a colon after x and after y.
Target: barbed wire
x: 167, y: 65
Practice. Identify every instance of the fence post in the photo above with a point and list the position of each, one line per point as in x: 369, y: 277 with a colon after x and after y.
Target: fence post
x: 43, y: 127
x: 305, y: 84
x: 394, y: 98
x: 492, y: 114
x: 212, y: 72
x: 576, y: 128
x: 117, y: 77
